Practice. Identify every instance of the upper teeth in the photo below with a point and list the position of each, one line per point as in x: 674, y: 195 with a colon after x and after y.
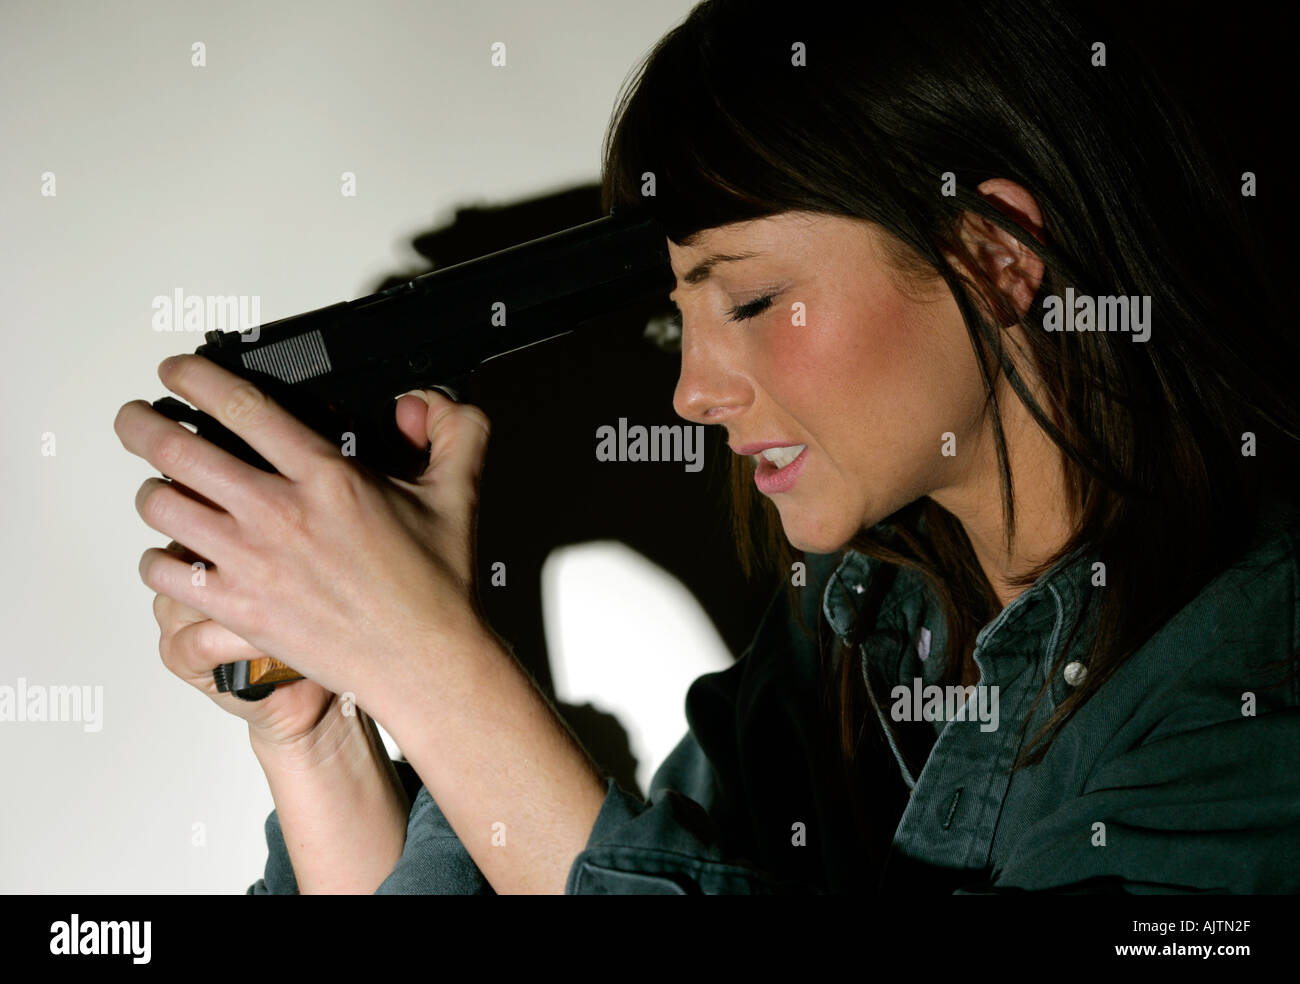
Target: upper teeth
x: 782, y: 456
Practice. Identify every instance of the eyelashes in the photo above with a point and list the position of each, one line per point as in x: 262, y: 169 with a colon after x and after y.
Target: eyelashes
x: 742, y: 312
x: 753, y: 309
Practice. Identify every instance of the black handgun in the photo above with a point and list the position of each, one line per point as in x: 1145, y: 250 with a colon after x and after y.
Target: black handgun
x: 338, y: 368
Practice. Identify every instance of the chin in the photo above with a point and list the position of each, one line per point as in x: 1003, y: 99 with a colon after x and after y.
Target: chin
x: 819, y: 537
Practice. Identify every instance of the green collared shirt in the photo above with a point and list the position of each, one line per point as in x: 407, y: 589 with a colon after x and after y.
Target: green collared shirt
x: 1180, y: 774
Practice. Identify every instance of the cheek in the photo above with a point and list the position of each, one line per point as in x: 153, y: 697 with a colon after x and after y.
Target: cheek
x: 876, y: 380
x: 868, y: 357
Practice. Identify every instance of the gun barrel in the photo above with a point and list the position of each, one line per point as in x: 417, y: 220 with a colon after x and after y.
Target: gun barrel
x: 443, y: 324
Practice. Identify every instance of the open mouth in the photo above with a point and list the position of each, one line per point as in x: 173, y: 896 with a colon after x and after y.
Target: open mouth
x: 783, y: 456
x: 777, y: 469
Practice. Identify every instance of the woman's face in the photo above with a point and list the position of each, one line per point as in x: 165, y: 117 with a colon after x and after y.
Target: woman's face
x: 866, y: 378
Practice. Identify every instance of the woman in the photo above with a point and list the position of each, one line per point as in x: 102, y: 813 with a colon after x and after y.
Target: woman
x: 989, y: 342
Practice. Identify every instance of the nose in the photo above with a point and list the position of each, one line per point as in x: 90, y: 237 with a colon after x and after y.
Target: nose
x: 712, y: 387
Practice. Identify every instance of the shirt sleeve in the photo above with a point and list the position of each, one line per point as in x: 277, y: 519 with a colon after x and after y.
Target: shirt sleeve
x: 721, y: 806
x: 433, y: 861
x: 278, y: 877
x: 668, y: 845
x: 635, y: 848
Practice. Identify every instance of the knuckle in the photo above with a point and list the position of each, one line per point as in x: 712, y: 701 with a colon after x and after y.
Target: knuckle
x: 479, y: 417
x: 182, y: 650
x: 245, y: 404
x: 339, y: 483
x: 245, y: 613
x: 161, y: 611
x: 286, y: 513
x: 173, y: 450
x: 154, y: 507
x: 167, y: 647
x: 461, y: 422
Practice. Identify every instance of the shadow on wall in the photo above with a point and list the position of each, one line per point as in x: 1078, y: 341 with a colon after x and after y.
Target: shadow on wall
x: 543, y: 487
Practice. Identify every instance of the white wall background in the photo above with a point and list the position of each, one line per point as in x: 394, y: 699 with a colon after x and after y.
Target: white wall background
x: 223, y: 180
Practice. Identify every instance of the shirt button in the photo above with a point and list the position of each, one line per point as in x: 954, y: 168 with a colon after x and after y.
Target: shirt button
x: 1074, y: 673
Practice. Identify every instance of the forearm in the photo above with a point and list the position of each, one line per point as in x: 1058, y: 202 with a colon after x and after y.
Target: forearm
x: 340, y: 804
x: 517, y: 788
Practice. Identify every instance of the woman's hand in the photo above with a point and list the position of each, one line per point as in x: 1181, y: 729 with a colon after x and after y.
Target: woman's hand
x: 192, y: 646
x: 357, y: 581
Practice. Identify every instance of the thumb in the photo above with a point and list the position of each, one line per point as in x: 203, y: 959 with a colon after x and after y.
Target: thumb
x: 457, y: 435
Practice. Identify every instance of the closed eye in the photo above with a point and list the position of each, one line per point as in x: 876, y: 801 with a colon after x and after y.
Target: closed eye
x: 752, y: 309
x: 742, y: 312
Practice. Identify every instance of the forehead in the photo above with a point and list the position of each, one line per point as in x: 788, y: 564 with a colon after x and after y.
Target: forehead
x: 765, y: 234
x: 713, y: 250
x: 786, y: 236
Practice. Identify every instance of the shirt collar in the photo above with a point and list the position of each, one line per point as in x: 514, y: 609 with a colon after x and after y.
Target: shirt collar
x: 1042, y: 613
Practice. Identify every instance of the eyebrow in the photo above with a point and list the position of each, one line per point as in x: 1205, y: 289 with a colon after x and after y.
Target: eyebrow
x: 701, y: 271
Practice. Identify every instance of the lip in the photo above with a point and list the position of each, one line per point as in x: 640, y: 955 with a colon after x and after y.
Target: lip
x: 771, y: 479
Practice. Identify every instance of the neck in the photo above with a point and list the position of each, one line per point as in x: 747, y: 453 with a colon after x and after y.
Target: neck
x: 1043, y: 523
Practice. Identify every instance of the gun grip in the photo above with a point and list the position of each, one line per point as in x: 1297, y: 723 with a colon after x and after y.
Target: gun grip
x: 253, y: 679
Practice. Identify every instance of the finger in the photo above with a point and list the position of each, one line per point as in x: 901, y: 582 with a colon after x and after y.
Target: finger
x: 458, y: 435
x: 172, y: 615
x: 196, y: 496
x: 167, y: 510
x: 200, y: 465
x: 288, y: 444
x: 166, y: 574
x: 199, y: 648
x: 411, y: 411
x: 180, y: 549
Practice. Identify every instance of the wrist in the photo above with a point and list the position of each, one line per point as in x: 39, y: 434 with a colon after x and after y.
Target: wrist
x: 450, y: 679
x: 341, y: 806
x: 340, y: 739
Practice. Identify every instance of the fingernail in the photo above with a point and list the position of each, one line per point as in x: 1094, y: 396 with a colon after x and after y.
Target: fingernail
x: 419, y: 393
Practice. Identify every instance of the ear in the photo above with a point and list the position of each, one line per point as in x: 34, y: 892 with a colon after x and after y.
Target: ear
x: 1015, y: 270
